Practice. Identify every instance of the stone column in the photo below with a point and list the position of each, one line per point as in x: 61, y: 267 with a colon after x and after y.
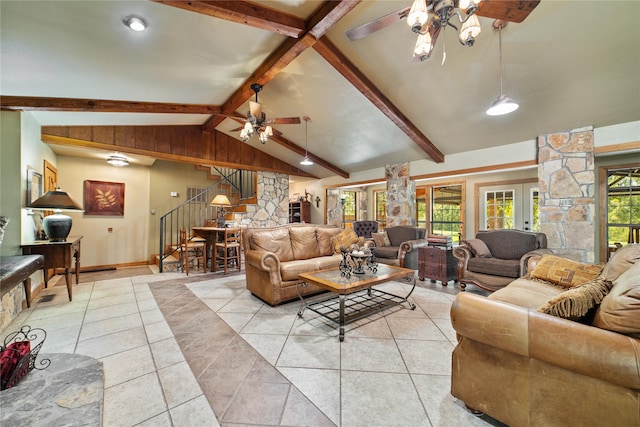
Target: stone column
x: 566, y: 180
x: 272, y: 208
x: 401, y: 195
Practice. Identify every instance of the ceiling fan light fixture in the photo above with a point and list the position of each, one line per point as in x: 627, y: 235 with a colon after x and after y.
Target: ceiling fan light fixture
x: 502, y: 105
x: 418, y: 15
x: 470, y: 30
x: 135, y: 23
x: 423, y: 45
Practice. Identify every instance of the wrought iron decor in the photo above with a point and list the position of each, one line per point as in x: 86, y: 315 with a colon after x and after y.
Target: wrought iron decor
x: 355, y: 260
x: 18, y: 355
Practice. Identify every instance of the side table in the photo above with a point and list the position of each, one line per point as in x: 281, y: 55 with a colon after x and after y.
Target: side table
x: 437, y: 264
x: 57, y: 255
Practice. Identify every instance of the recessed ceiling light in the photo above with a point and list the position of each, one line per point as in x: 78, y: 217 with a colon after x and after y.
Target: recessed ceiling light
x: 134, y: 22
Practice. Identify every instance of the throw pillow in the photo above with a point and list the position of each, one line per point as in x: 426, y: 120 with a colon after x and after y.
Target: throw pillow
x: 381, y: 239
x: 564, y: 272
x: 577, y: 301
x: 478, y: 248
x: 622, y: 259
x: 345, y: 238
x: 620, y: 309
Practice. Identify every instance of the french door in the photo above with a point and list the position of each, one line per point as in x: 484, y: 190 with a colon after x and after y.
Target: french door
x: 508, y: 206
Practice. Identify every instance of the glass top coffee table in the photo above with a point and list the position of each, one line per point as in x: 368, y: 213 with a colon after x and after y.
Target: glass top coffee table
x: 354, y: 297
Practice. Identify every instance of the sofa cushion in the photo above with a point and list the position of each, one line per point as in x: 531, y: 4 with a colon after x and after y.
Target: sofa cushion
x: 324, y: 236
x: 345, y: 238
x: 620, y: 309
x: 576, y: 302
x: 495, y: 266
x: 304, y: 244
x: 563, y: 271
x: 276, y: 241
x: 381, y: 239
x: 622, y: 259
x: 387, y: 252
x: 478, y: 248
x: 526, y: 293
x: 291, y: 269
x: 401, y: 233
x: 508, y: 244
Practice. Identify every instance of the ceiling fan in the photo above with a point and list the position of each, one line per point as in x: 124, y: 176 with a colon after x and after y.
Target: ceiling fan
x: 257, y: 122
x: 428, y: 17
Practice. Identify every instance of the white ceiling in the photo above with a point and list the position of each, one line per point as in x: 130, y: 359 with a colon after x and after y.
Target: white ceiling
x: 569, y: 64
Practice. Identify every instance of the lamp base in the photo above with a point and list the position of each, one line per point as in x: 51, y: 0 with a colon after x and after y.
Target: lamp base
x: 57, y: 227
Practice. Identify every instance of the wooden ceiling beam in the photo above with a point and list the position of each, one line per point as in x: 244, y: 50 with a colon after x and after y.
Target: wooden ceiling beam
x: 34, y: 103
x: 244, y: 12
x: 345, y: 67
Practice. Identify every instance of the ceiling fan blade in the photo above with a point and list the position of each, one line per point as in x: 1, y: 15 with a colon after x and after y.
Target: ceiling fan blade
x: 377, y: 24
x: 507, y: 10
x: 237, y: 129
x: 285, y: 121
x: 255, y: 109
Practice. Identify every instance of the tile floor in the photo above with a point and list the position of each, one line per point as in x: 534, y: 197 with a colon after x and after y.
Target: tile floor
x: 201, y: 350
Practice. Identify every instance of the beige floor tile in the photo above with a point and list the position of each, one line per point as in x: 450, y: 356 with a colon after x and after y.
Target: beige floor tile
x: 269, y: 346
x: 237, y: 321
x: 103, y: 313
x: 300, y: 411
x: 110, y: 326
x: 158, y: 331
x: 127, y: 365
x: 269, y: 324
x: 160, y: 420
x: 151, y: 316
x: 426, y: 357
x: 179, y: 384
x: 366, y: 400
x: 111, y: 344
x: 166, y: 352
x: 406, y: 328
x: 302, y: 351
x: 111, y: 300
x: 195, y: 412
x: 147, y: 305
x: 382, y: 355
x: 321, y: 386
x: 134, y: 401
x: 258, y: 403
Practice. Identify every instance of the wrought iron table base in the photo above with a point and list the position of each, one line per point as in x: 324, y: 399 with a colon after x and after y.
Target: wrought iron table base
x: 345, y: 308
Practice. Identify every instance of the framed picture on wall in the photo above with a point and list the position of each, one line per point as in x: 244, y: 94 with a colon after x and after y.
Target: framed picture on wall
x: 103, y: 198
x: 34, y: 186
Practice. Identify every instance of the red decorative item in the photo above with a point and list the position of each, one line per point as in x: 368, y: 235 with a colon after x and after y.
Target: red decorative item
x: 14, y: 363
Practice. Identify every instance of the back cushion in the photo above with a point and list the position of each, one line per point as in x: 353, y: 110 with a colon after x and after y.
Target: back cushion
x: 401, y: 233
x: 620, y: 309
x: 276, y: 241
x: 323, y: 236
x: 303, y: 242
x: 508, y: 244
x: 622, y: 259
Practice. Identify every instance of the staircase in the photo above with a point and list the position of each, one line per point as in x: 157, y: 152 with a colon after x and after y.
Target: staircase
x: 238, y: 185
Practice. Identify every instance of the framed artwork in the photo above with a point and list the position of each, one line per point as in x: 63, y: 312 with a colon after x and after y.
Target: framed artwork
x: 103, y: 198
x: 34, y: 186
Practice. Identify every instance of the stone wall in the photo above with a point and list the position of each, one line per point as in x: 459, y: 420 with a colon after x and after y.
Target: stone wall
x: 566, y: 180
x: 401, y: 195
x: 272, y: 208
x: 11, y: 306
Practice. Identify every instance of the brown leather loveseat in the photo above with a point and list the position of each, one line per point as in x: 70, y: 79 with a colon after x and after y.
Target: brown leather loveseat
x: 525, y: 367
x: 274, y: 257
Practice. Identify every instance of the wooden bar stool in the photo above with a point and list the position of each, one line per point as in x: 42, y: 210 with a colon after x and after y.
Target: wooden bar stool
x: 228, y: 250
x: 190, y: 252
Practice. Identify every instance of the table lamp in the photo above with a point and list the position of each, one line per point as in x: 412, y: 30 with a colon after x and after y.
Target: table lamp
x: 56, y: 226
x: 221, y: 201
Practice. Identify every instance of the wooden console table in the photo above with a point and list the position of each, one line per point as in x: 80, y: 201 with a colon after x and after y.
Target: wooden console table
x: 437, y: 264
x: 57, y: 255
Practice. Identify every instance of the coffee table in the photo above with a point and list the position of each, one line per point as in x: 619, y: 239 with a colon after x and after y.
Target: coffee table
x: 354, y: 297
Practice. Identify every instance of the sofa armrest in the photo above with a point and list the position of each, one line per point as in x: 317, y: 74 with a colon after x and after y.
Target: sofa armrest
x: 264, y: 261
x: 407, y: 248
x: 529, y: 260
x: 573, y: 346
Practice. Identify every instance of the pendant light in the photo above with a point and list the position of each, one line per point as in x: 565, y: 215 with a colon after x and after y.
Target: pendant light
x: 504, y: 104
x: 306, y: 161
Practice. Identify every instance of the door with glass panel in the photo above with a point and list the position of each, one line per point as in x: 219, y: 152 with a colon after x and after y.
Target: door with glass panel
x: 508, y: 206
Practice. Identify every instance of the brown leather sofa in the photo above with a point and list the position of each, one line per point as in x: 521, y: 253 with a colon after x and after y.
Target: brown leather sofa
x: 403, y: 249
x: 274, y: 257
x: 509, y: 251
x: 527, y: 368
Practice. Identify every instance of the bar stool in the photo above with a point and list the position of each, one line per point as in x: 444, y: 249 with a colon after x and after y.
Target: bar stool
x: 190, y: 252
x: 228, y: 250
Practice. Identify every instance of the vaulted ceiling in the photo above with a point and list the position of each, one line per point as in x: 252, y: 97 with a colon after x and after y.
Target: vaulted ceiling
x: 74, y: 63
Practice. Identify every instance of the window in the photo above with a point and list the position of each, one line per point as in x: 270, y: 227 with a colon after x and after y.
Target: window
x: 446, y: 211
x: 380, y: 200
x: 348, y: 200
x: 535, y: 210
x: 623, y: 205
x: 421, y: 207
